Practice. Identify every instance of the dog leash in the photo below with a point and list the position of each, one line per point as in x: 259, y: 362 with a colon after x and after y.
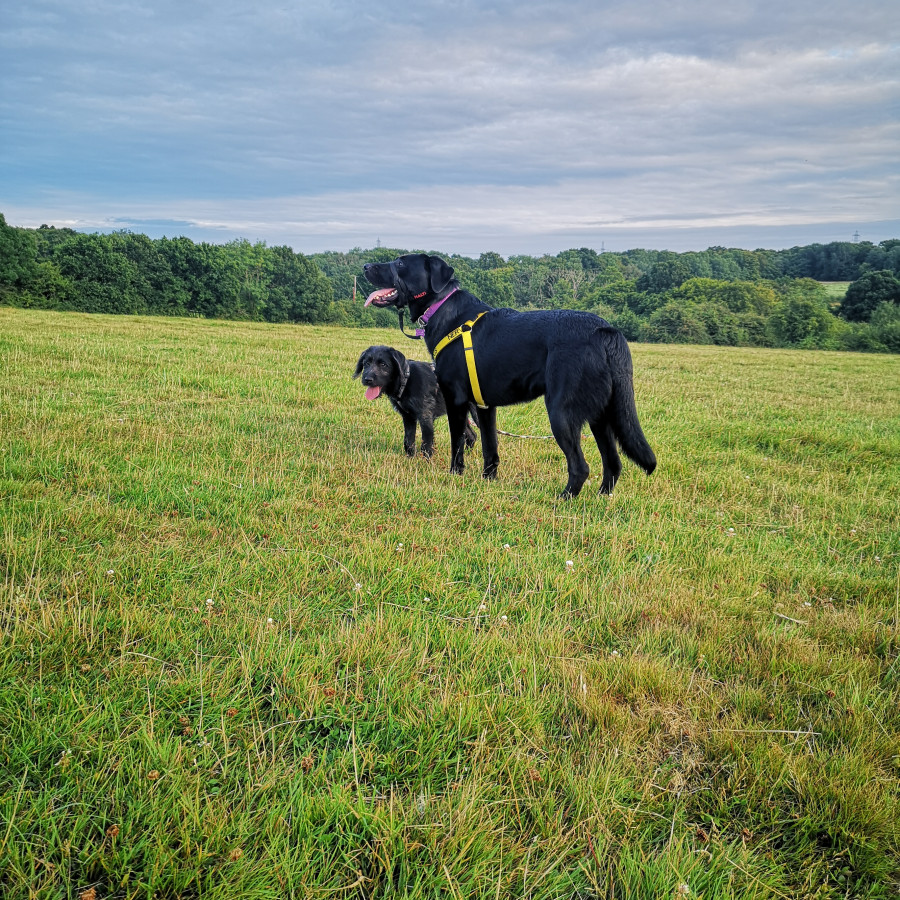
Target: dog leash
x: 412, y: 337
x: 423, y: 319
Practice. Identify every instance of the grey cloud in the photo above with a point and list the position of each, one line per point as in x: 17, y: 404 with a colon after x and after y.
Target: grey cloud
x: 629, y: 112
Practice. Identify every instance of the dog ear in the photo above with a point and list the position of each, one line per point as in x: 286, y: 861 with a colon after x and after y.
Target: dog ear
x: 399, y: 359
x: 402, y: 370
x: 359, y: 364
x: 441, y: 273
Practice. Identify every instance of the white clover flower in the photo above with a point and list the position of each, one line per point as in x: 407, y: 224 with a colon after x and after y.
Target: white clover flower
x: 270, y: 621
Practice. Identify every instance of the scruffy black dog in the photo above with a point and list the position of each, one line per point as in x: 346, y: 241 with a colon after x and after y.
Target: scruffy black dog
x: 576, y: 360
x: 413, y: 390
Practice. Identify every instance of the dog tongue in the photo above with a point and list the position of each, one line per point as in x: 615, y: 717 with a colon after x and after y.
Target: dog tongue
x: 372, y: 392
x: 379, y: 293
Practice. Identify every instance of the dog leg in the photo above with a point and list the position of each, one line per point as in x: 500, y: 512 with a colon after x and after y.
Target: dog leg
x: 612, y: 465
x: 569, y: 439
x: 409, y: 434
x: 487, y: 423
x: 456, y: 418
x: 427, y: 426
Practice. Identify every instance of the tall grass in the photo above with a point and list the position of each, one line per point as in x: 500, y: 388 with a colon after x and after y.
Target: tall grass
x: 249, y: 649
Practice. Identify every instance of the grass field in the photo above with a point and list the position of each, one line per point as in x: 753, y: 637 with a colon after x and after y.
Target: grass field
x: 836, y: 290
x: 250, y: 650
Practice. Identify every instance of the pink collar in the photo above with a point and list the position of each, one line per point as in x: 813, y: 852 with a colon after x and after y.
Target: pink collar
x: 423, y: 319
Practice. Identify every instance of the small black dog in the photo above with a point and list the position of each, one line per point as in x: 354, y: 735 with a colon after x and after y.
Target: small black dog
x: 576, y: 360
x: 413, y: 390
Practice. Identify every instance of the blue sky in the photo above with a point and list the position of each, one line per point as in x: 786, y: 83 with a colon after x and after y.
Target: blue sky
x: 517, y: 127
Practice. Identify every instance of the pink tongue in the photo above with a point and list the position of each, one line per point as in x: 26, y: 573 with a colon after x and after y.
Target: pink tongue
x: 372, y: 392
x: 378, y: 293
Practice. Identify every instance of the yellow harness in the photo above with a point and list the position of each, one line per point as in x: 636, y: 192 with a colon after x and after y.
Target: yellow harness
x: 466, y: 332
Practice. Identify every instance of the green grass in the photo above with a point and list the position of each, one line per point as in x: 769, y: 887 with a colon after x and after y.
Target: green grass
x: 836, y: 290
x: 251, y: 650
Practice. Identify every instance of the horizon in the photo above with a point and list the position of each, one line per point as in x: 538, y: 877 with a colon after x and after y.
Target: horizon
x: 827, y: 234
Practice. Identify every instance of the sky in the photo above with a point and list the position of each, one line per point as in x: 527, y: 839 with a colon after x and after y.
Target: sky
x: 461, y: 126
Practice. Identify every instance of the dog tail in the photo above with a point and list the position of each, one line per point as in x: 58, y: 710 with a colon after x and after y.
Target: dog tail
x: 625, y: 424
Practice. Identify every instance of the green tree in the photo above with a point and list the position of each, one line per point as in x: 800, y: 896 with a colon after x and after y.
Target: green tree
x: 620, y: 295
x: 803, y: 319
x: 674, y: 323
x: 156, y: 287
x: 298, y: 290
x: 869, y: 292
x: 490, y: 260
x: 49, y: 237
x: 668, y: 272
x: 629, y: 323
x: 736, y: 296
x: 493, y: 286
x: 18, y: 259
x: 48, y: 289
x: 885, y: 323
x: 101, y: 279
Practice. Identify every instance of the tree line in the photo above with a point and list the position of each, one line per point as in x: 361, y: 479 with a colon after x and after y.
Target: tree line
x: 771, y: 298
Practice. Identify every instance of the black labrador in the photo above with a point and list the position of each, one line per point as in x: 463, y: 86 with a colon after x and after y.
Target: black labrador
x: 413, y: 390
x: 576, y: 360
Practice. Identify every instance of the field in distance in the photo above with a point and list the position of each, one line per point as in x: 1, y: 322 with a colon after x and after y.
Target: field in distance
x: 836, y: 290
x: 249, y: 649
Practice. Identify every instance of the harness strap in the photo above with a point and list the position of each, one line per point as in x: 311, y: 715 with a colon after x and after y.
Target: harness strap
x: 465, y: 331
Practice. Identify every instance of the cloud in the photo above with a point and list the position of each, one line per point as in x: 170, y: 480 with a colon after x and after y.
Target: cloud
x: 537, y: 118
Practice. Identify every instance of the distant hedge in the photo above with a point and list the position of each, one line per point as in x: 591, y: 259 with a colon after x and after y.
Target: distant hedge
x: 770, y: 298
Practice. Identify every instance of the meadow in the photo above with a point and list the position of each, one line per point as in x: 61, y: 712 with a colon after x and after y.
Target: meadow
x: 836, y: 291
x: 249, y: 649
